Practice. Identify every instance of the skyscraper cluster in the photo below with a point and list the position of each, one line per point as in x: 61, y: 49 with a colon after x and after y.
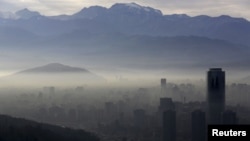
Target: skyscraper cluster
x: 215, y: 110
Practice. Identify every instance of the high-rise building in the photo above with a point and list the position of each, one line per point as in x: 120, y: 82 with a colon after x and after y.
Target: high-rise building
x: 110, y: 111
x: 198, y: 126
x: 229, y: 117
x: 163, y: 86
x: 215, y: 95
x: 169, y: 125
x: 166, y: 104
x: 139, y: 118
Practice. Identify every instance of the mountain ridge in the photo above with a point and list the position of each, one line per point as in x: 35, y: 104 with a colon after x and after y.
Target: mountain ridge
x: 26, y: 14
x: 54, y: 68
x: 16, y: 129
x: 54, y: 74
x: 134, y: 19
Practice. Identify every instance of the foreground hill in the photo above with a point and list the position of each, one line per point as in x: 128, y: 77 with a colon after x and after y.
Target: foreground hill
x: 16, y: 129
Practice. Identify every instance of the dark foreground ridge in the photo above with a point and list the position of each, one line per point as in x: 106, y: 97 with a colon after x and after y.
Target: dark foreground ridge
x: 17, y: 129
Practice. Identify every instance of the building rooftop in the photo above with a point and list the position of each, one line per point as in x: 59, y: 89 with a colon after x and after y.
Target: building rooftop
x: 215, y: 69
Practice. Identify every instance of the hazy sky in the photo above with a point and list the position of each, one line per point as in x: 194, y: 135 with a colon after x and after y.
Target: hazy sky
x: 235, y: 8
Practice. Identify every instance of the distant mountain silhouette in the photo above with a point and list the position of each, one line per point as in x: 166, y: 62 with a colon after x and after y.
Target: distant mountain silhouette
x: 16, y: 37
x: 90, y: 13
x: 54, y: 68
x: 17, y: 129
x: 154, y: 52
x: 54, y: 74
x: 26, y: 14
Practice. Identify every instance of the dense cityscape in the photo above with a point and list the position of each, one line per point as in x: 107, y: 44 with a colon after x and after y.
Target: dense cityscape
x: 163, y: 112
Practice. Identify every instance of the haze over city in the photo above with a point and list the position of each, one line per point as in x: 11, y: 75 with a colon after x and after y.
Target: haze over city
x: 145, y: 70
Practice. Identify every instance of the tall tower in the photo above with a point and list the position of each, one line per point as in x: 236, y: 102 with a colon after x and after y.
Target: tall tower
x: 198, y: 126
x: 139, y: 118
x: 163, y: 86
x: 166, y: 104
x: 169, y: 125
x: 215, y: 95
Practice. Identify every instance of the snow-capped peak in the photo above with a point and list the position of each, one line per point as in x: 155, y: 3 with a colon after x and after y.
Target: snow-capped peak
x: 134, y: 5
x: 137, y: 7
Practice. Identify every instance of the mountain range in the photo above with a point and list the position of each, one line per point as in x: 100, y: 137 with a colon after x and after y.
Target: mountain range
x: 132, y: 19
x: 129, y: 35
